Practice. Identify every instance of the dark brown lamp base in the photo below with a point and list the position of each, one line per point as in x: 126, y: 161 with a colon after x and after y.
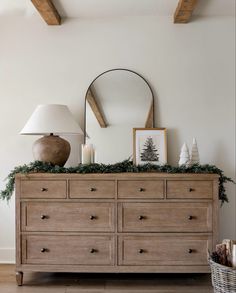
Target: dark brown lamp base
x: 51, y: 149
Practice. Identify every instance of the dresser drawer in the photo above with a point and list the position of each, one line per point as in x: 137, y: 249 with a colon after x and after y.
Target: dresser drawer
x: 43, y: 188
x: 65, y: 216
x: 165, y: 217
x: 189, y: 189
x: 68, y: 250
x: 164, y: 250
x: 91, y: 189
x: 141, y: 189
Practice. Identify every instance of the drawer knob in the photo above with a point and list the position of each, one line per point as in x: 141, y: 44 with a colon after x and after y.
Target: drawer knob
x: 92, y: 250
x: 43, y: 250
x: 141, y: 217
x: 141, y: 189
x: 190, y: 250
x: 92, y: 217
x: 43, y: 189
x: 92, y: 189
x: 191, y: 189
x: 141, y: 250
x: 43, y: 217
x: 190, y: 217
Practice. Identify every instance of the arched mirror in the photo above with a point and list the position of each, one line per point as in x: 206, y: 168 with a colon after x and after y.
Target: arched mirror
x: 117, y: 101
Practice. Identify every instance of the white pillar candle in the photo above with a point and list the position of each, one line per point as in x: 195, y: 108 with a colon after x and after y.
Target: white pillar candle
x: 86, y: 154
x: 234, y: 256
x: 92, y: 154
x: 95, y: 154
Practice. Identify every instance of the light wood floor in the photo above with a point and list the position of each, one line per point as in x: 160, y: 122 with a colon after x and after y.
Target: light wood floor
x: 103, y: 283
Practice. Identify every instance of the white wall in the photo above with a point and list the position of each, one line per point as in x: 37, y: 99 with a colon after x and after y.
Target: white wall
x: 190, y: 67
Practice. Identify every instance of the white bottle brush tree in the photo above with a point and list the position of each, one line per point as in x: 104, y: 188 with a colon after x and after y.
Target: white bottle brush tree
x: 184, y: 156
x: 194, y: 158
x: 149, y: 152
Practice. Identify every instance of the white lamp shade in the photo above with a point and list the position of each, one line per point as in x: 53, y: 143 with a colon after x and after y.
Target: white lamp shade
x: 56, y: 119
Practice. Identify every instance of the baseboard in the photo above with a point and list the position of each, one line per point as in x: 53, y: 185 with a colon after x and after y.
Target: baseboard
x: 7, y: 255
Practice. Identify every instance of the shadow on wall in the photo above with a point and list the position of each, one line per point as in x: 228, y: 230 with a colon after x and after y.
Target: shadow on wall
x: 217, y: 155
x: 173, y: 146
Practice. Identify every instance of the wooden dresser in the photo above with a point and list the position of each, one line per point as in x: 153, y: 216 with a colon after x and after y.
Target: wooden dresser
x: 124, y: 222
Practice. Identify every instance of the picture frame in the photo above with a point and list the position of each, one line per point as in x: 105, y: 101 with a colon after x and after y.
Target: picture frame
x: 149, y: 146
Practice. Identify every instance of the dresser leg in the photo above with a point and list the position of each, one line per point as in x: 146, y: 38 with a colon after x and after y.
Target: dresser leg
x: 19, y: 278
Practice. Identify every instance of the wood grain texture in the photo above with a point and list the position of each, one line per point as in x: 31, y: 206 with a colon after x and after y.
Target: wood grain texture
x: 165, y: 250
x: 215, y: 206
x: 189, y: 189
x: 91, y: 99
x: 68, y: 250
x: 118, y: 176
x: 67, y: 233
x: 72, y: 268
x: 165, y: 217
x: 68, y: 216
x: 184, y: 11
x: 91, y: 189
x: 141, y: 189
x: 18, y: 220
x: 48, y: 11
x: 19, y: 278
x: 43, y: 189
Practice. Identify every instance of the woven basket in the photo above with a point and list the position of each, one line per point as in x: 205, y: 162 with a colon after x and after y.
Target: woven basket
x: 223, y: 278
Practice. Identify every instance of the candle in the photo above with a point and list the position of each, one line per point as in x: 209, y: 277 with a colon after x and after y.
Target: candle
x: 92, y: 154
x: 95, y: 155
x: 234, y: 256
x: 86, y: 154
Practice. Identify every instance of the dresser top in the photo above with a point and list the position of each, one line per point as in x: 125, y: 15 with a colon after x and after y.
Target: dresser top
x: 113, y: 176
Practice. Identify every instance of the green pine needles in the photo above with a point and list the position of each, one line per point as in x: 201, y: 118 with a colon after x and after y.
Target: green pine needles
x: 125, y: 166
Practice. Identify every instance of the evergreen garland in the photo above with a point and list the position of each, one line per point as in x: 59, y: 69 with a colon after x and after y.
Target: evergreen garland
x: 125, y: 166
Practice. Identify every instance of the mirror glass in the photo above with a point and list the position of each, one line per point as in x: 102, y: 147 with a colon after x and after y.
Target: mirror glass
x: 116, y: 102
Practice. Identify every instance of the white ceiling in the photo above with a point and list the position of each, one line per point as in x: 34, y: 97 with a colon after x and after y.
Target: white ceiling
x: 117, y: 8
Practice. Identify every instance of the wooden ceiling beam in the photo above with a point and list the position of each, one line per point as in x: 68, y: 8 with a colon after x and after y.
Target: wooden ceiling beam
x: 48, y: 11
x: 184, y: 11
x: 95, y: 108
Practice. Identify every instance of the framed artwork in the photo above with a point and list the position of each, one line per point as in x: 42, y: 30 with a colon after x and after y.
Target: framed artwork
x: 149, y: 146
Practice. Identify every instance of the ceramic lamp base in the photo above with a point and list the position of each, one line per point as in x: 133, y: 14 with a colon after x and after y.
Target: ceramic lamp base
x: 51, y: 149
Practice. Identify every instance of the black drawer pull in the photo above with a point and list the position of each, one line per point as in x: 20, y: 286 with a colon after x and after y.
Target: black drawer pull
x: 44, y: 189
x: 43, y: 250
x: 92, y: 189
x: 191, y: 189
x: 190, y: 250
x: 93, y: 250
x: 190, y: 217
x: 43, y: 217
x: 141, y: 189
x: 141, y: 217
x: 92, y: 217
x: 141, y: 250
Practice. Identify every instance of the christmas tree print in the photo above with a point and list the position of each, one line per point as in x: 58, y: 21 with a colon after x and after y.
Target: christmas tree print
x: 149, y: 152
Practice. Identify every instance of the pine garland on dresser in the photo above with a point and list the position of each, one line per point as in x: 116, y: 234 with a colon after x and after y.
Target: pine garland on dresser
x: 124, y: 166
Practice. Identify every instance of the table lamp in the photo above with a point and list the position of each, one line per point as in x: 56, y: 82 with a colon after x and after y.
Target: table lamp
x: 51, y: 121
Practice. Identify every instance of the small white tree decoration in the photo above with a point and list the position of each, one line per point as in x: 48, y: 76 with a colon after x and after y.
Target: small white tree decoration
x: 184, y: 156
x: 194, y: 158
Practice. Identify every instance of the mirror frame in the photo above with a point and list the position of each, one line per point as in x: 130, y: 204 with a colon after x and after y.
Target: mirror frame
x: 151, y: 111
